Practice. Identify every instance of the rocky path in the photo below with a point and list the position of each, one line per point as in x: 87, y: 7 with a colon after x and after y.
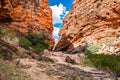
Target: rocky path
x: 59, y: 69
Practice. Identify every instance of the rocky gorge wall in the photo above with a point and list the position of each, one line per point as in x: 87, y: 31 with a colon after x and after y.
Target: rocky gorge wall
x: 95, y: 22
x: 26, y: 16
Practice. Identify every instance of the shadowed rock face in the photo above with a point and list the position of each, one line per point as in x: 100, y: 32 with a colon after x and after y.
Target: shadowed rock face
x: 25, y: 16
x: 91, y: 21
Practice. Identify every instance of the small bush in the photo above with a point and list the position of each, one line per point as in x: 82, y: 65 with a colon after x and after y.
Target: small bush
x: 89, y: 49
x: 35, y: 41
x: 25, y: 43
x: 7, y: 33
x: 35, y: 38
x: 85, y: 61
x: 38, y: 48
x: 106, y: 62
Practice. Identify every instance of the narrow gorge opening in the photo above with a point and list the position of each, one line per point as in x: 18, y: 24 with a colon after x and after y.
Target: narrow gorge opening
x: 59, y: 10
x: 88, y: 47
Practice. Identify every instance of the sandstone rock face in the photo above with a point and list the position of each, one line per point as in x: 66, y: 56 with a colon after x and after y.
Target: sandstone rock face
x: 92, y: 22
x: 25, y: 16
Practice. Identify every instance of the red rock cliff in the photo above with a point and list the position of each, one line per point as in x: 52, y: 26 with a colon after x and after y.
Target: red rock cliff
x: 25, y: 16
x: 91, y: 21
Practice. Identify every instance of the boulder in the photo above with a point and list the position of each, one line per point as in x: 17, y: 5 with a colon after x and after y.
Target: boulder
x: 72, y: 59
x: 46, y: 53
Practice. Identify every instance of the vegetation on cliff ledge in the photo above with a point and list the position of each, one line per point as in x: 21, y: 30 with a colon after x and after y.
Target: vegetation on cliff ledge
x: 34, y: 41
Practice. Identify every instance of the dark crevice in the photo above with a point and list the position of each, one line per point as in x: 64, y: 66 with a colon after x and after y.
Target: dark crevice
x: 5, y: 19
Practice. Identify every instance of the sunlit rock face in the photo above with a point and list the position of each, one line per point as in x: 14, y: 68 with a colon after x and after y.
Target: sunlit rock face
x: 90, y: 21
x: 26, y: 16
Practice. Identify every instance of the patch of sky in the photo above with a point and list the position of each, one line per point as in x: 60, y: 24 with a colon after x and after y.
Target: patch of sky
x: 59, y: 9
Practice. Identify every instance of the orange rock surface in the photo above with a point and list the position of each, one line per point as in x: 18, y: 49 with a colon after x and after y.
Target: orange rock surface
x: 25, y: 16
x: 91, y: 21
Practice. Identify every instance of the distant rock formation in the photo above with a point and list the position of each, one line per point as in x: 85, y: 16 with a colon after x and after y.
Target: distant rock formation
x: 91, y: 21
x: 26, y: 16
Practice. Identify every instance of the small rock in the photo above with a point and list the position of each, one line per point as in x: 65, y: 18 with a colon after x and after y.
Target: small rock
x: 69, y: 60
x: 72, y: 59
x: 47, y: 53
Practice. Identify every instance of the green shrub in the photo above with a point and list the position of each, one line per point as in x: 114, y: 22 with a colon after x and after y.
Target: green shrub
x: 25, y: 43
x: 38, y: 48
x: 36, y: 42
x: 84, y: 61
x: 11, y: 72
x: 89, y: 49
x: 106, y: 62
x: 35, y: 38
